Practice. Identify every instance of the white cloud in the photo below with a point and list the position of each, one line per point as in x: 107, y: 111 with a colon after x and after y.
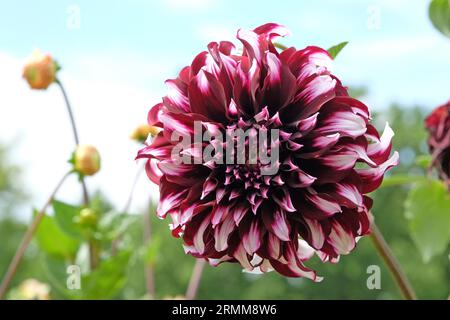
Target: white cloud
x: 393, y: 47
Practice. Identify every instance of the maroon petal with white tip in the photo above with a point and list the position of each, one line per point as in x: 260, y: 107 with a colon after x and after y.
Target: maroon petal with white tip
x: 330, y: 156
x: 438, y: 127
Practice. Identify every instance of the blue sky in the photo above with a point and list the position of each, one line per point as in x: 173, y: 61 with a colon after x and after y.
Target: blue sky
x: 395, y: 57
x: 115, y: 63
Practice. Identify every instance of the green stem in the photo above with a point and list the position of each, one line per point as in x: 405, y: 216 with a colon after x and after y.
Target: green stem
x: 196, y: 277
x: 126, y: 208
x: 392, y: 263
x: 93, y: 252
x: 75, y: 135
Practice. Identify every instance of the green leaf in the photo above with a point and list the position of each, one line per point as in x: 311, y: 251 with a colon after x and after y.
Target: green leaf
x: 358, y: 92
x: 152, y: 250
x: 56, y: 274
x: 400, y: 179
x: 439, y: 13
x: 104, y: 282
x: 107, y: 279
x: 65, y: 215
x: 280, y: 46
x: 54, y: 241
x: 428, y: 211
x: 334, y: 51
x: 113, y: 224
x: 424, y: 161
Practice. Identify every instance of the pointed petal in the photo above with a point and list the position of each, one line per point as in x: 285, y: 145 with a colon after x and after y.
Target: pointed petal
x: 276, y: 222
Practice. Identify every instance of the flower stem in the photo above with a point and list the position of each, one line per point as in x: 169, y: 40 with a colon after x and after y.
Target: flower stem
x: 392, y: 263
x: 133, y: 187
x: 126, y: 207
x: 93, y: 252
x: 75, y: 135
x: 195, y: 279
x: 27, y: 239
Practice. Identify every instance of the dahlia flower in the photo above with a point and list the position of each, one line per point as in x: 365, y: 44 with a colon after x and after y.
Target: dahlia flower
x: 438, y: 126
x: 329, y: 157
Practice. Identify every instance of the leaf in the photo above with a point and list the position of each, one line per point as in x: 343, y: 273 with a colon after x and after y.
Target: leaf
x: 334, y: 50
x: 152, y: 250
x: 53, y: 240
x: 65, y: 217
x: 428, y: 211
x: 104, y: 282
x: 113, y: 223
x: 358, y: 92
x: 439, y: 13
x: 56, y: 274
x: 107, y: 279
x: 424, y: 161
x: 400, y: 179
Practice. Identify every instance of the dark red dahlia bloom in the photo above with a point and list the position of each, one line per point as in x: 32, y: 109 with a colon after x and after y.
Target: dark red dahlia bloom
x: 315, y: 201
x: 438, y: 126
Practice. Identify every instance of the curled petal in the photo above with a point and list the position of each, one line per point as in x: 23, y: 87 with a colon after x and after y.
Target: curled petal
x: 342, y: 239
x: 207, y: 96
x: 345, y: 122
x: 176, y: 99
x: 372, y: 178
x: 379, y: 150
x: 316, y: 234
x: 153, y: 115
x: 170, y: 198
x: 152, y: 170
x: 222, y: 232
x: 275, y: 221
x: 251, y: 236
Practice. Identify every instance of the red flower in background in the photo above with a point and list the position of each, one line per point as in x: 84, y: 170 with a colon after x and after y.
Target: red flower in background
x: 438, y: 126
x: 316, y: 202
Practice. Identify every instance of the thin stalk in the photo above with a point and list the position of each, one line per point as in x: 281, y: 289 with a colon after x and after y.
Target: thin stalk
x: 392, y: 263
x: 196, y: 276
x: 126, y: 207
x: 27, y: 239
x: 133, y: 187
x: 75, y: 135
x: 93, y: 252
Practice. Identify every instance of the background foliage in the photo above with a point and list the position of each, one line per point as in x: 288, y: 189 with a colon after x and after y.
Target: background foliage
x: 122, y: 275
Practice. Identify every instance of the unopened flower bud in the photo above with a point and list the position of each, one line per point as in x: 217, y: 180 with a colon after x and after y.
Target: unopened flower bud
x: 142, y: 132
x: 87, y: 217
x: 86, y: 160
x: 40, y: 70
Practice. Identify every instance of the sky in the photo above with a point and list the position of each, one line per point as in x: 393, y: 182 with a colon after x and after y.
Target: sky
x: 116, y: 55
